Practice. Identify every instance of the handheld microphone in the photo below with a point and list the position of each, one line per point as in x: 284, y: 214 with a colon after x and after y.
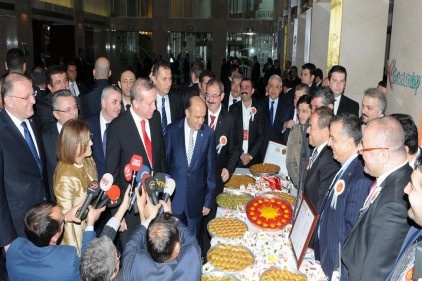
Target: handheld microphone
x: 151, y: 187
x: 105, y: 184
x: 135, y: 165
x: 138, y: 180
x: 169, y: 188
x: 160, y: 178
x: 92, y: 192
x: 112, y: 195
x: 127, y: 172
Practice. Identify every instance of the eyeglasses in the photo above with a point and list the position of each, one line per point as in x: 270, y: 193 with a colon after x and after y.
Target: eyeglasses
x: 33, y: 94
x: 69, y: 109
x: 208, y: 96
x: 362, y: 149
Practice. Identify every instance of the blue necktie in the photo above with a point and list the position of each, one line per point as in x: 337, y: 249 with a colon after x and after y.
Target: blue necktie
x: 164, y: 116
x: 31, y: 145
x: 272, y: 112
x: 105, y: 140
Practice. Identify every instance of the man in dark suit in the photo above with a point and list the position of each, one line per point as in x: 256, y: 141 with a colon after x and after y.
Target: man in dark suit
x: 168, y: 104
x: 321, y: 167
x: 193, y: 90
x: 38, y: 257
x: 204, y: 77
x: 127, y: 78
x: 322, y: 98
x: 339, y: 208
x: 137, y: 131
x: 64, y: 109
x: 77, y: 88
x: 248, y: 115
x: 407, y: 260
x: 23, y: 181
x: 91, y: 101
x: 234, y: 93
x: 56, y: 80
x: 337, y: 77
x: 374, y: 243
x: 274, y: 115
x: 111, y: 99
x: 307, y: 76
x: 190, y: 151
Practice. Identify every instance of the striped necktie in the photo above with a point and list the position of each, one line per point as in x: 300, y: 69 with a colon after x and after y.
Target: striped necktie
x: 163, y: 116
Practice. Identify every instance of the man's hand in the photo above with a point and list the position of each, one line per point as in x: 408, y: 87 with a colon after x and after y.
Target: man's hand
x: 93, y: 215
x: 288, y: 124
x: 70, y: 216
x: 152, y: 209
x: 123, y: 226
x: 166, y: 206
x: 225, y: 175
x: 205, y: 211
x: 246, y: 158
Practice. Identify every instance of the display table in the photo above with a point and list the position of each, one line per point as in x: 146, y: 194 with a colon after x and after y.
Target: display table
x: 269, y: 248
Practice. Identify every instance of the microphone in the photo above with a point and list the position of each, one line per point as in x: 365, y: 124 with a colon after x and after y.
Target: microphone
x: 105, y: 184
x: 92, y: 192
x: 160, y: 178
x: 112, y: 195
x: 169, y: 188
x: 144, y: 171
x: 151, y: 187
x: 128, y: 172
x: 135, y: 165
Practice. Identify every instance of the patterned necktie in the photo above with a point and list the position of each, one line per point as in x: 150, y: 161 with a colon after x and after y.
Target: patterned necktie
x: 212, y: 124
x: 147, y: 142
x: 406, y: 261
x: 272, y: 113
x: 105, y: 140
x: 31, y: 145
x: 313, y: 157
x: 191, y: 145
x: 72, y: 87
x: 163, y: 116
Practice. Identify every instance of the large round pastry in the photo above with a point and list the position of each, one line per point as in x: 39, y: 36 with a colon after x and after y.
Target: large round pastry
x: 237, y: 180
x: 264, y: 169
x: 278, y: 274
x: 230, y: 258
x: 227, y: 227
x: 269, y: 212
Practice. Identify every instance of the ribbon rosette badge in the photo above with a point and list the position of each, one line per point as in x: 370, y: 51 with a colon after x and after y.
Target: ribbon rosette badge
x: 338, y: 189
x: 222, y: 142
x: 253, y: 112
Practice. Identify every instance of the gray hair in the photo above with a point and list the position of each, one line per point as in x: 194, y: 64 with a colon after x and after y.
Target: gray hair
x: 108, y: 89
x: 140, y: 85
x: 58, y: 94
x: 98, y: 263
x: 375, y: 93
x: 327, y: 96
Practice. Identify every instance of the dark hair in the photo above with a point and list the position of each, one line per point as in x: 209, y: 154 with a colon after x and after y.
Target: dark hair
x: 337, y: 68
x: 410, y: 131
x: 309, y: 66
x: 318, y: 73
x: 162, y: 237
x: 248, y: 80
x: 39, y: 226
x: 418, y: 163
x: 302, y: 86
x: 158, y: 64
x: 58, y: 94
x: 15, y: 59
x: 324, y: 117
x: 382, y: 83
x: 206, y: 73
x: 326, y: 94
x: 304, y: 99
x: 38, y: 75
x: 54, y: 69
x: 287, y: 83
x: 351, y: 126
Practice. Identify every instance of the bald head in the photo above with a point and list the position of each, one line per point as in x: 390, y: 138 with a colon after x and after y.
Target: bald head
x: 195, y: 112
x: 102, y: 68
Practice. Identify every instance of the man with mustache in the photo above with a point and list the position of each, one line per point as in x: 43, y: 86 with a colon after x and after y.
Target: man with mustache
x: 374, y: 105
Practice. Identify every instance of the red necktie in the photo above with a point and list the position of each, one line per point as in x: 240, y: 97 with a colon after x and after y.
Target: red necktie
x: 147, y: 142
x: 212, y: 125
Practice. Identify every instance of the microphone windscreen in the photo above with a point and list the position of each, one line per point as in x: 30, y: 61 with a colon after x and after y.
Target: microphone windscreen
x: 160, y: 178
x: 136, y: 162
x: 113, y: 193
x: 128, y: 172
x: 106, y: 181
x: 170, y: 186
x: 140, y: 174
x: 93, y: 189
x: 150, y: 185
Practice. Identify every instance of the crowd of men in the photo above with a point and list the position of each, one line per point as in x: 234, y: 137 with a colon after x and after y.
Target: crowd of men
x: 353, y: 169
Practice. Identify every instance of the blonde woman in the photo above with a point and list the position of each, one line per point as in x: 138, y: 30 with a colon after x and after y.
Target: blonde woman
x: 74, y: 172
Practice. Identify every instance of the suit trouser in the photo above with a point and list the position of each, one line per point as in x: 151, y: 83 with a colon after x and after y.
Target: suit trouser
x: 194, y: 224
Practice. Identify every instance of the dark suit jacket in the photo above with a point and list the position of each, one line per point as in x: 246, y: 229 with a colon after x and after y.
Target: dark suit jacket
x: 347, y: 105
x: 21, y: 183
x: 138, y: 264
x: 91, y: 101
x: 27, y: 262
x: 49, y: 137
x: 189, y: 92
x: 274, y: 132
x: 97, y: 147
x: 44, y: 112
x: 318, y: 179
x: 195, y: 185
x: 229, y: 154
x: 374, y: 243
x: 336, y: 223
x: 123, y: 141
x: 255, y: 133
x: 176, y: 108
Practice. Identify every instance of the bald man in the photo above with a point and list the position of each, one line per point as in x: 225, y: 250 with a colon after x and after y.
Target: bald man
x: 91, y: 102
x: 191, y: 156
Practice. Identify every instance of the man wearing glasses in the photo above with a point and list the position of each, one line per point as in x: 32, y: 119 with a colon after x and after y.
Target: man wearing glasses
x: 23, y: 181
x: 374, y: 243
x: 64, y: 108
